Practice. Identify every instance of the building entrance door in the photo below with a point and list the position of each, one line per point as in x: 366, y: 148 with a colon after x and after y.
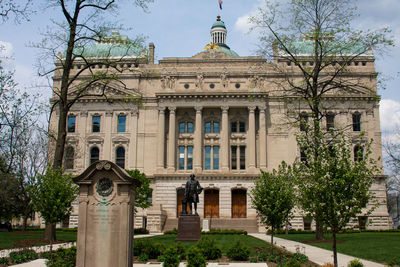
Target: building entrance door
x: 180, y: 194
x: 211, y: 203
x: 239, y: 207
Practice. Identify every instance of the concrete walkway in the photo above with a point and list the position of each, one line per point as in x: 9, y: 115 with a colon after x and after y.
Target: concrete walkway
x: 317, y: 255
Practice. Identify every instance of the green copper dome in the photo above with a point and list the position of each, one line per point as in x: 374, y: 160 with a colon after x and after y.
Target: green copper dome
x: 219, y: 23
x: 115, y: 45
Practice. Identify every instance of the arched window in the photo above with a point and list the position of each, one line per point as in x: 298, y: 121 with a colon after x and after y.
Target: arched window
x: 356, y: 122
x: 120, y: 157
x: 94, y: 154
x: 358, y: 153
x: 69, y: 158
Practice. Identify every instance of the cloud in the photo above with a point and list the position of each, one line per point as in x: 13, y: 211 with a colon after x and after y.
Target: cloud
x: 6, y: 55
x: 242, y: 23
x: 390, y: 116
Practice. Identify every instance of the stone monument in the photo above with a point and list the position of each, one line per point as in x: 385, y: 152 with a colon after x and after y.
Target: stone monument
x: 105, y: 228
x: 189, y: 223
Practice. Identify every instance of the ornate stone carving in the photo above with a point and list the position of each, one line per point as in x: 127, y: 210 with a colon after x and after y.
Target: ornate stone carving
x: 104, y: 187
x: 200, y: 79
x: 256, y: 81
x: 224, y: 78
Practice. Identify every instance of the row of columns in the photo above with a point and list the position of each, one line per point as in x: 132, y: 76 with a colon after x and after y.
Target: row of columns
x: 224, y: 139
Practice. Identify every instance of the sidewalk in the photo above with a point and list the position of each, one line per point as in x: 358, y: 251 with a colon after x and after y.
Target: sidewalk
x: 317, y: 255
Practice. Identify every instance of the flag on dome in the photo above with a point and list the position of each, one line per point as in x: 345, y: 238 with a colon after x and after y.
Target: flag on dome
x: 220, y: 4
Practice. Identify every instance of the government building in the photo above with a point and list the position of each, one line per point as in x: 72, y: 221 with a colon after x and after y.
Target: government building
x: 215, y: 114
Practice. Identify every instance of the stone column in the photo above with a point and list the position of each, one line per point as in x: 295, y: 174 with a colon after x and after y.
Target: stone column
x: 161, y: 138
x: 225, y: 139
x: 106, y: 128
x: 251, y: 140
x: 263, y: 139
x: 133, y: 140
x: 197, y: 140
x: 171, y: 141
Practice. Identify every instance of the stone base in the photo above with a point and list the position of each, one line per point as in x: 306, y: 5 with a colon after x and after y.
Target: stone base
x: 188, y: 228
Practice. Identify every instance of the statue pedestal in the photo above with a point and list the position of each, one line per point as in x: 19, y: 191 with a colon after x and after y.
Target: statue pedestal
x: 188, y: 228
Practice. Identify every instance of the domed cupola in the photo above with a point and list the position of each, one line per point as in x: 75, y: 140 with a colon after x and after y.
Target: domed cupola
x: 218, y: 32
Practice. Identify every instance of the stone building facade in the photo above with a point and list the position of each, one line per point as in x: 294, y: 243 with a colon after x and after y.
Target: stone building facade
x: 216, y: 115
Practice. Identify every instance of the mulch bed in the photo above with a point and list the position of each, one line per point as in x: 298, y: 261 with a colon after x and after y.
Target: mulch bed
x: 32, y: 242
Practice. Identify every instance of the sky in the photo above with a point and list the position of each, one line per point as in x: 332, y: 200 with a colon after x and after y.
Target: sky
x: 181, y: 28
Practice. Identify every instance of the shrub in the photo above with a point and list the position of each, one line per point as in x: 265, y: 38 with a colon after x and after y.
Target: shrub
x: 152, y: 249
x: 143, y: 257
x: 180, y: 249
x: 171, y: 232
x: 355, y: 263
x: 394, y: 262
x: 23, y: 256
x: 171, y: 257
x: 292, y: 263
x: 195, y: 258
x: 62, y: 258
x: 238, y: 251
x: 225, y: 232
x: 4, y: 261
x: 327, y: 264
x: 209, y: 248
x: 300, y: 257
x: 253, y: 260
x: 140, y: 231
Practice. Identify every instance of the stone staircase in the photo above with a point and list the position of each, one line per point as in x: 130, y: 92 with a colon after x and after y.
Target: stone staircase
x: 249, y: 225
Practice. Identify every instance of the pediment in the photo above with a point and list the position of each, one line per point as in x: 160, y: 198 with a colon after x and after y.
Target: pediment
x: 343, y: 87
x: 107, y: 91
x: 120, y: 140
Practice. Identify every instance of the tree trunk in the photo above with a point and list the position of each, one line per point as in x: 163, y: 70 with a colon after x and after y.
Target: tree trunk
x: 319, y: 230
x: 50, y: 232
x: 335, y: 263
x: 24, y: 222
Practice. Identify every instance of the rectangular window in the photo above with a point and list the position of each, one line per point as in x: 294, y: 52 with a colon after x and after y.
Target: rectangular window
x: 242, y: 127
x: 216, y: 158
x: 207, y: 158
x: 242, y: 157
x: 71, y: 124
x: 357, y: 122
x: 96, y: 124
x: 233, y: 157
x: 207, y: 127
x: 330, y: 122
x: 181, y: 158
x: 234, y: 127
x: 303, y: 122
x: 189, y: 157
x: 216, y: 127
x: 182, y: 127
x: 190, y: 128
x: 121, y: 123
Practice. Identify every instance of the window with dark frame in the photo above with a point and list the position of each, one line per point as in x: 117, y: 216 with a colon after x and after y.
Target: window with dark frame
x: 238, y: 127
x: 303, y: 122
x: 238, y: 157
x: 330, y: 122
x: 186, y: 127
x: 121, y: 127
x: 356, y: 122
x: 94, y: 154
x: 96, y: 124
x: 358, y: 153
x: 185, y: 157
x: 211, y: 127
x: 69, y: 158
x: 120, y: 157
x: 71, y: 124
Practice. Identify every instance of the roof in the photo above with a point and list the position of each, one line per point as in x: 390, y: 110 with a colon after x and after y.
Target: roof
x: 218, y: 23
x: 306, y: 48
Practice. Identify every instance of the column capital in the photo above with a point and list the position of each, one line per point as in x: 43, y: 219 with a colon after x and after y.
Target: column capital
x: 109, y: 113
x: 198, y: 109
x: 161, y: 109
x: 172, y: 109
x: 225, y: 108
x: 251, y: 108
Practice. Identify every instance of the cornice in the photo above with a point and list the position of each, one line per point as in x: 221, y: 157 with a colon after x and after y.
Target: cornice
x: 205, y: 177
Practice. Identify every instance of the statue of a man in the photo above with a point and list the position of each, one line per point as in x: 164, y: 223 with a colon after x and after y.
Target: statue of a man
x: 192, y: 191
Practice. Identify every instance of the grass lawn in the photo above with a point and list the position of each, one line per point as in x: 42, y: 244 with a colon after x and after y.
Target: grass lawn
x: 8, y: 239
x: 223, y: 241
x: 374, y: 246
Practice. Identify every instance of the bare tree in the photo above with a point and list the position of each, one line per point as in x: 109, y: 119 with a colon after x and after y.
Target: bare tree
x: 67, y: 44
x: 20, y: 11
x: 315, y: 51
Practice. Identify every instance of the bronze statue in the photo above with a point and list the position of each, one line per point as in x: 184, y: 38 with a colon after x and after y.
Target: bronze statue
x: 192, y: 191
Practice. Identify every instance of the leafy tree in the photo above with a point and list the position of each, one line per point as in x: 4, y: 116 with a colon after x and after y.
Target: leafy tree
x: 313, y: 45
x: 23, y: 148
x: 52, y: 196
x: 143, y: 192
x: 273, y: 197
x: 79, y: 24
x: 336, y: 185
